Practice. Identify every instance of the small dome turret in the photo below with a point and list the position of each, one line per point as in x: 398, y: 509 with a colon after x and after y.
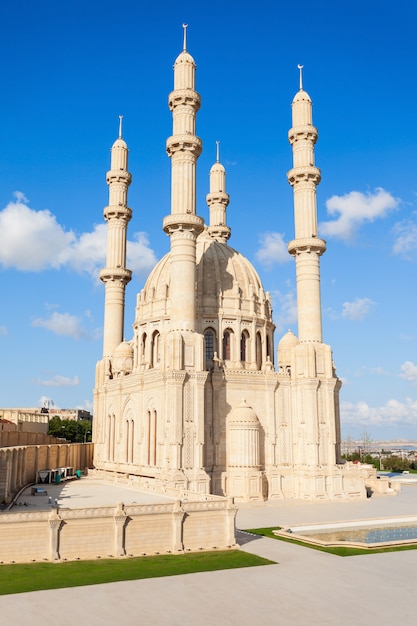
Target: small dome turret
x: 122, y: 361
x: 285, y: 350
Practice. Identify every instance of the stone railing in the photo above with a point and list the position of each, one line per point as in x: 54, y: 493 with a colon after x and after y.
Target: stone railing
x: 116, y: 532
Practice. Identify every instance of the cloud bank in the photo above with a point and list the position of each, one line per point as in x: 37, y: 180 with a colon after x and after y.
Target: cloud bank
x: 354, y: 209
x: 357, y: 310
x: 33, y: 241
x: 273, y: 250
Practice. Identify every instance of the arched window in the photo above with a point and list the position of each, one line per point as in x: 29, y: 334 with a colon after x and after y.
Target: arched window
x: 227, y: 345
x: 155, y: 357
x: 244, y: 343
x: 210, y: 346
x: 152, y: 430
x: 258, y: 351
x: 268, y: 347
x: 143, y: 347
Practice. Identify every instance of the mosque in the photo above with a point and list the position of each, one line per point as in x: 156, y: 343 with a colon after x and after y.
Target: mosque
x: 196, y: 400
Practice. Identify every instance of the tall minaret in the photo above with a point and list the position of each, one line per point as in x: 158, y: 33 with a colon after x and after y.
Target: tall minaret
x: 306, y: 247
x: 183, y: 225
x: 218, y: 200
x: 115, y: 276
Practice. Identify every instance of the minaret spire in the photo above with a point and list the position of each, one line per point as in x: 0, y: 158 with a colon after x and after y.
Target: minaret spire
x: 306, y: 247
x: 218, y: 200
x: 185, y: 26
x: 115, y: 276
x: 183, y: 225
x: 300, y: 67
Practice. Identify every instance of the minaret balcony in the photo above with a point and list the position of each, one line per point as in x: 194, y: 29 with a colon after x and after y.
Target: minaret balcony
x: 308, y: 174
x: 309, y: 133
x: 217, y: 197
x: 184, y: 97
x: 184, y: 143
x: 183, y: 221
x: 307, y: 244
x: 115, y: 274
x: 118, y: 212
x: 118, y: 176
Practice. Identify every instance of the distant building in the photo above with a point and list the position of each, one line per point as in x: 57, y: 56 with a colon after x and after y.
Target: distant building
x: 37, y: 419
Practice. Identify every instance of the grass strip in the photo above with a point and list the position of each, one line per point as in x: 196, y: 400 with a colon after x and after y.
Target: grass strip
x: 19, y: 578
x: 338, y: 551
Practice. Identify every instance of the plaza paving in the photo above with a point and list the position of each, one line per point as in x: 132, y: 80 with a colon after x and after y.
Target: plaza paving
x: 306, y: 587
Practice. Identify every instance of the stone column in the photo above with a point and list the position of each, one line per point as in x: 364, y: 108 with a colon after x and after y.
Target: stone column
x: 120, y: 519
x: 54, y: 527
x: 177, y: 526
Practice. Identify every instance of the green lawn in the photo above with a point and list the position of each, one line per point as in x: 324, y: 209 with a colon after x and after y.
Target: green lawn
x: 18, y: 578
x: 338, y: 551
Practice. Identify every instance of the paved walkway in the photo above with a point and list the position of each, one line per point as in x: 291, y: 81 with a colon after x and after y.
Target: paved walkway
x: 306, y: 587
x: 88, y: 492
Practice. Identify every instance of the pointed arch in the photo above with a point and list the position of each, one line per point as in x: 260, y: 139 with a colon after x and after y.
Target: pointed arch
x: 258, y: 350
x: 227, y: 345
x: 244, y: 346
x: 210, y: 346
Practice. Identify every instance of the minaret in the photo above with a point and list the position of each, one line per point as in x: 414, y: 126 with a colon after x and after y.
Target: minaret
x: 306, y: 247
x: 115, y: 276
x: 218, y: 200
x: 183, y: 225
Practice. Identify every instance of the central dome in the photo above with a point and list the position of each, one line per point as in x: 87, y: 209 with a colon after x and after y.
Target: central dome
x: 226, y: 282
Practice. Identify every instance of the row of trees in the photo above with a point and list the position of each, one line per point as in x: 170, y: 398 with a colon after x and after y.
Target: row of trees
x: 390, y: 462
x: 71, y: 430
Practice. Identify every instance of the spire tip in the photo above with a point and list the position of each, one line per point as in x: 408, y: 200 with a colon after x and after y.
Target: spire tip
x: 300, y: 67
x: 217, y: 151
x: 120, y: 126
x: 185, y: 26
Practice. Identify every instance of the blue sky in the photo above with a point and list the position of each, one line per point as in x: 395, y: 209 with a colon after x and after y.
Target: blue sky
x: 70, y: 69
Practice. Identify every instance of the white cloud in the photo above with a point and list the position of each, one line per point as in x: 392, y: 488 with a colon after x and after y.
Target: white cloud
x: 273, y: 249
x: 33, y: 241
x: 355, y: 208
x: 140, y: 257
x: 393, y: 413
x: 62, y: 324
x: 285, y: 310
x: 88, y: 252
x: 88, y: 405
x: 3, y: 330
x: 409, y: 372
x: 405, y: 243
x: 59, y: 381
x: 358, y: 309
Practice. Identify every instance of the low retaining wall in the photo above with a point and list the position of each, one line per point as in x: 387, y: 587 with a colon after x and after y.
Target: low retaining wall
x: 133, y: 530
x: 19, y: 465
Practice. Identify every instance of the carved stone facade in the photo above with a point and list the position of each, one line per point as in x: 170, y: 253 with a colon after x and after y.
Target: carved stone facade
x: 194, y: 400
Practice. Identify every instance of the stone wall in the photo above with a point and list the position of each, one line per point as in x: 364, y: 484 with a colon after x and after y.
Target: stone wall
x: 121, y: 531
x: 19, y: 465
x: 26, y: 438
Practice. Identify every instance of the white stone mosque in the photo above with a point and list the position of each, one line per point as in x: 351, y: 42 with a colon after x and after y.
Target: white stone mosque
x: 195, y: 400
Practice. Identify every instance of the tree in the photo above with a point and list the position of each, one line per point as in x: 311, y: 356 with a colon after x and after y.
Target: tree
x: 71, y: 430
